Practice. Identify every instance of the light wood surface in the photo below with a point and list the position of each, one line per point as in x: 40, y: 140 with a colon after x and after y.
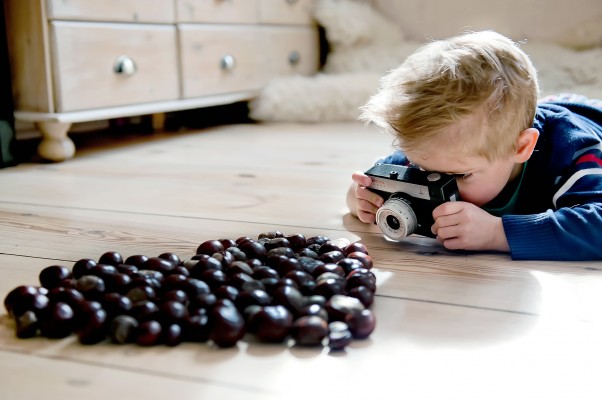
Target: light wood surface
x: 450, y: 325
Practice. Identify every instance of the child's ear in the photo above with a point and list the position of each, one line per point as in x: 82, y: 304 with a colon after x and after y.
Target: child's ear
x: 526, y: 144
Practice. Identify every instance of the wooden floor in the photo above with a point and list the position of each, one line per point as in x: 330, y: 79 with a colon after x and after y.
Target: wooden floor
x: 449, y: 325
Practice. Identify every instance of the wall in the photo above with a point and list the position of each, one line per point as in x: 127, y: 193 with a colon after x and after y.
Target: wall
x: 577, y: 23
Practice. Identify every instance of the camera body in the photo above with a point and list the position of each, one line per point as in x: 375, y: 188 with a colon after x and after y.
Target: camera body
x: 410, y: 196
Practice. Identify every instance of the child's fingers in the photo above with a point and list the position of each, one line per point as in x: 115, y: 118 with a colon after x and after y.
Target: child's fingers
x: 366, y: 217
x: 364, y: 194
x: 361, y: 179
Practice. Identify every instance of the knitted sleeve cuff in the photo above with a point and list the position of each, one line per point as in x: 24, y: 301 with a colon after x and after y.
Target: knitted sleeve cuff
x: 531, y: 237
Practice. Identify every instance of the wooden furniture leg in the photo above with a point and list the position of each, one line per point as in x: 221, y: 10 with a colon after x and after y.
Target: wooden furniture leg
x: 158, y: 121
x: 55, y: 145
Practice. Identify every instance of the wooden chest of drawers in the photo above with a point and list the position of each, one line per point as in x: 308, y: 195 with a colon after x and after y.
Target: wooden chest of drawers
x: 83, y: 60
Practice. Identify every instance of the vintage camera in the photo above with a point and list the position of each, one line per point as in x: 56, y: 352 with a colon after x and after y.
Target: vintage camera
x: 410, y: 196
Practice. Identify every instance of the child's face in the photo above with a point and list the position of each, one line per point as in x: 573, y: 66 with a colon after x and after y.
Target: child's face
x: 479, y: 180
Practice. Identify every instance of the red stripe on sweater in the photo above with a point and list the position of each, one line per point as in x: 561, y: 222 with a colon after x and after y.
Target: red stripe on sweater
x: 590, y: 158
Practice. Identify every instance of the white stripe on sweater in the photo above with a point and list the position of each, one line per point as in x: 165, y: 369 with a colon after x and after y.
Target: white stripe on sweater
x: 574, y: 178
x: 597, y: 146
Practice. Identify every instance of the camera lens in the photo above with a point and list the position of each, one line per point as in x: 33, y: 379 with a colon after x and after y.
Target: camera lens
x: 393, y: 222
x: 396, y: 218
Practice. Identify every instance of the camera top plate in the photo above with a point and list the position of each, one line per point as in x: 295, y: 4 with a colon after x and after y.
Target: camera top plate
x: 391, y: 178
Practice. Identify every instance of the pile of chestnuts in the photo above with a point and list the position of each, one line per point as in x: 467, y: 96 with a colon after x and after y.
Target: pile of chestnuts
x: 282, y: 289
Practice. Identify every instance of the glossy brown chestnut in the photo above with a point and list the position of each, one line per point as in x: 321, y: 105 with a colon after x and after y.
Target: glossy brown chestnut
x: 137, y: 260
x: 111, y: 258
x: 364, y: 258
x: 27, y: 325
x: 271, y: 323
x: 172, y: 257
x: 17, y: 294
x: 355, y: 247
x: 58, y: 321
x: 361, y: 324
x: 92, y: 324
x: 122, y: 329
x: 309, y: 330
x: 253, y: 249
x: 339, y: 336
x: 52, y: 276
x: 339, y: 306
x: 297, y: 241
x: 209, y: 247
x: 227, y: 325
x: 148, y: 333
x: 81, y: 267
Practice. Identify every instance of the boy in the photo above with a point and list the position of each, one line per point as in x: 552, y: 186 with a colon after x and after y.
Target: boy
x: 529, y: 174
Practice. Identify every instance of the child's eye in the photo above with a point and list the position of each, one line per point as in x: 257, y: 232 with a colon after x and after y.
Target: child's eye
x: 463, y: 177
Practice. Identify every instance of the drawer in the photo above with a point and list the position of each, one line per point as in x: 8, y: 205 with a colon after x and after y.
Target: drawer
x: 84, y: 57
x: 217, y: 11
x: 291, y: 12
x: 220, y: 59
x: 112, y: 10
x: 291, y: 51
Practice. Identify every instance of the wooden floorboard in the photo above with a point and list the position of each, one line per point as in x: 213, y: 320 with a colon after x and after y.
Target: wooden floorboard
x: 449, y: 324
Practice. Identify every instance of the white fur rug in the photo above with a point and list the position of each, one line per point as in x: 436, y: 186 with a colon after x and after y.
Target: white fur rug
x: 364, y: 46
x: 338, y: 96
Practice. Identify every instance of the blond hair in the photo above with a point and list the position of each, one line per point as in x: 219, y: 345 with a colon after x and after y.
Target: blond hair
x: 481, y: 82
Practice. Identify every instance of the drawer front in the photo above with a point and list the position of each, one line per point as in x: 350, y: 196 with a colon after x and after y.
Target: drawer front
x: 220, y: 59
x: 291, y: 50
x: 292, y: 12
x: 112, y: 10
x: 87, y: 73
x: 217, y: 11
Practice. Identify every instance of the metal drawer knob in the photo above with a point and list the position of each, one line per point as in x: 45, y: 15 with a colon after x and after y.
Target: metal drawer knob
x: 294, y: 57
x: 227, y: 62
x: 124, y: 66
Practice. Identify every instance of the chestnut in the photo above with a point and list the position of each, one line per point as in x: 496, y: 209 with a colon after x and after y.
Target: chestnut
x: 173, y: 335
x: 364, y: 258
x: 58, y: 321
x: 210, y: 247
x: 172, y: 257
x: 319, y: 240
x: 297, y: 241
x: 27, y: 325
x: 271, y: 323
x: 137, y: 260
x: 81, y: 267
x: 52, y: 276
x: 159, y: 264
x: 91, y: 322
x: 355, y: 247
x: 148, y: 333
x: 227, y: 325
x: 339, y: 306
x: 309, y: 330
x: 253, y: 249
x: 361, y: 324
x: 339, y: 335
x: 111, y: 258
x: 17, y: 295
x: 122, y: 329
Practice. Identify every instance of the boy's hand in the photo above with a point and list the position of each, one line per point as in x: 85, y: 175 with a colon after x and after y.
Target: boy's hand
x: 462, y: 225
x: 366, y: 202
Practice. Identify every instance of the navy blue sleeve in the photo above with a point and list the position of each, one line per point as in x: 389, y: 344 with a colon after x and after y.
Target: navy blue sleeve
x: 397, y: 158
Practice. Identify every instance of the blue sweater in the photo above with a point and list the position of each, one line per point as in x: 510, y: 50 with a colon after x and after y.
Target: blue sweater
x: 558, y: 211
